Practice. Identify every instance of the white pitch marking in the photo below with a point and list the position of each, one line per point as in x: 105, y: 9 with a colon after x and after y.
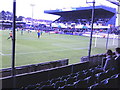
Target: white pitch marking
x: 1, y: 53
x: 46, y: 51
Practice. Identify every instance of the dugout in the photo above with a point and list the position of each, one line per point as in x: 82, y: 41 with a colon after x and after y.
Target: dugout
x: 103, y: 15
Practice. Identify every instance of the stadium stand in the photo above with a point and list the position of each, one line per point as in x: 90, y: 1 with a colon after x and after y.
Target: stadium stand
x: 103, y: 15
x: 80, y: 75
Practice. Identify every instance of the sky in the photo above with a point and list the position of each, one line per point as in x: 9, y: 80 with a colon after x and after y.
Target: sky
x: 24, y: 7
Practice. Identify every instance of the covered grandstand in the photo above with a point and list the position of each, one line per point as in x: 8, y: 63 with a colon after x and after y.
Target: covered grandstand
x: 103, y: 15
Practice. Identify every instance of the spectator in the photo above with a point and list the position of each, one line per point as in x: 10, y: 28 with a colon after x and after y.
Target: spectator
x: 103, y: 62
x: 110, y: 61
x: 117, y: 53
x: 117, y: 59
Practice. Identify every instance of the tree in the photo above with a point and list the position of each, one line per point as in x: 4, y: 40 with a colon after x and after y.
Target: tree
x: 3, y: 15
x: 6, y: 15
x: 20, y: 18
x: 9, y: 15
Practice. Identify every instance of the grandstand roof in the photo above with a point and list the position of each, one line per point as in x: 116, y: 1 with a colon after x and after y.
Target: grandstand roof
x: 70, y: 14
x: 116, y: 2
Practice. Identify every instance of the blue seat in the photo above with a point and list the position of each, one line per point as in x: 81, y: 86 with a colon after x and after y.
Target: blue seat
x: 102, y: 84
x: 44, y: 87
x: 30, y: 87
x: 59, y: 84
x: 54, y: 80
x: 71, y: 80
x: 92, y: 80
x: 68, y: 86
x: 81, y: 84
x: 110, y: 72
x: 88, y: 73
x: 73, y: 74
x: 113, y: 83
x: 97, y: 70
x: 98, y: 86
x: 63, y: 78
x: 45, y: 83
x: 81, y: 76
x: 102, y: 76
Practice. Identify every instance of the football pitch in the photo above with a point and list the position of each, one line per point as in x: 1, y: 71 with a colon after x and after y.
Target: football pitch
x: 49, y: 47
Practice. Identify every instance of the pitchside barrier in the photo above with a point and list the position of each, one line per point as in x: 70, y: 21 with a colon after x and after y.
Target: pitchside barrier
x: 34, y: 67
x: 95, y: 60
x: 23, y: 80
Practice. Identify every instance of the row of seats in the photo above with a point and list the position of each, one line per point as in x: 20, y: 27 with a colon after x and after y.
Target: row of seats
x: 112, y: 82
x: 34, y: 67
x: 89, y: 78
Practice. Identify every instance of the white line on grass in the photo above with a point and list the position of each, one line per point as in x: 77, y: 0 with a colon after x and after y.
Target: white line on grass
x: 1, y: 53
x: 47, y: 51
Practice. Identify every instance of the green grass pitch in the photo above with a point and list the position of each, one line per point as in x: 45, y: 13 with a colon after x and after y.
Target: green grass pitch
x: 31, y: 50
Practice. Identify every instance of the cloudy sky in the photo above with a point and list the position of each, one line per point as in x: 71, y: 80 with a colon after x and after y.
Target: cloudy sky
x: 24, y: 6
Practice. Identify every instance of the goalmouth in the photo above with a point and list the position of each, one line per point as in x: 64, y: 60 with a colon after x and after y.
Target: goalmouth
x: 107, y: 41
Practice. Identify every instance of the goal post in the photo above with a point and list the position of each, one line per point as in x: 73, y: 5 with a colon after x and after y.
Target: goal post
x: 105, y: 40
